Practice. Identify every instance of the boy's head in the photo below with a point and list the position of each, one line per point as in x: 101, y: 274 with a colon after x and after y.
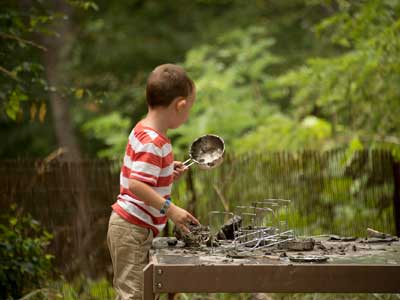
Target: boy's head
x: 170, y: 88
x: 166, y: 83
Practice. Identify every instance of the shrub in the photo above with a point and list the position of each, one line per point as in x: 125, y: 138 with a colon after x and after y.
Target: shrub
x: 24, y: 262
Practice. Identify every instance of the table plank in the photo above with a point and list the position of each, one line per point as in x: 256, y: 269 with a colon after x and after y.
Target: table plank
x: 296, y: 278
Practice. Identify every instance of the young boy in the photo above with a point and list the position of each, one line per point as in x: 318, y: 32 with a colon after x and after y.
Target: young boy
x: 148, y: 170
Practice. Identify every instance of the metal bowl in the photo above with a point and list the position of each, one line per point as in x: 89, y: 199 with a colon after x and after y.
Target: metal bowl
x: 207, y: 151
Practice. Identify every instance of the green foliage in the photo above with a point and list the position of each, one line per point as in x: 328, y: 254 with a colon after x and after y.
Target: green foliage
x: 235, y: 91
x: 108, y: 58
x: 262, y: 82
x: 228, y: 76
x: 279, y: 132
x: 26, y: 27
x: 112, y: 129
x: 230, y: 64
x: 24, y: 261
x: 84, y: 289
x: 23, y: 27
x: 22, y: 74
x: 357, y: 89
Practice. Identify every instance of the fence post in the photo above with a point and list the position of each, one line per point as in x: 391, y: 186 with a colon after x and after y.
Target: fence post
x: 396, y: 194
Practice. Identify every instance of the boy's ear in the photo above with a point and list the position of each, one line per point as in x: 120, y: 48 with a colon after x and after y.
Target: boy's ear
x: 180, y: 104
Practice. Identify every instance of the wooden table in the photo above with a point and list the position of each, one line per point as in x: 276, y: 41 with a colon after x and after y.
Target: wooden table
x: 375, y: 270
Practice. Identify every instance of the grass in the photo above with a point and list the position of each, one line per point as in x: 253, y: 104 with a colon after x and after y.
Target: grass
x: 85, y: 289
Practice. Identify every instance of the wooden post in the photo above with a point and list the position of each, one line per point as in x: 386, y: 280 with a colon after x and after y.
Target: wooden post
x: 396, y: 195
x: 148, y: 293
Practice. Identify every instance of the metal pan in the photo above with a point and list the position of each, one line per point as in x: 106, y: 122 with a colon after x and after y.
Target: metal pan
x: 207, y: 151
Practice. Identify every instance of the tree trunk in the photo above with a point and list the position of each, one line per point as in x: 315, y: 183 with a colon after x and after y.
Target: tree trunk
x: 66, y: 138
x: 60, y: 106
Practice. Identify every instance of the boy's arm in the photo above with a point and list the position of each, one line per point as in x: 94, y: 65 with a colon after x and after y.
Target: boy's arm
x: 178, y: 215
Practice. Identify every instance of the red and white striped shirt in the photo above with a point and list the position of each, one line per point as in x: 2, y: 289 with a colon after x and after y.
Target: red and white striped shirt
x: 148, y: 158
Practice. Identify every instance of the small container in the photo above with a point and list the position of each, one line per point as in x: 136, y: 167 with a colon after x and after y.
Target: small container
x: 207, y: 151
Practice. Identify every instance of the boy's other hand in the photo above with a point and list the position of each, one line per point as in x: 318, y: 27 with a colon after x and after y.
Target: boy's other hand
x: 181, y: 217
x: 179, y: 169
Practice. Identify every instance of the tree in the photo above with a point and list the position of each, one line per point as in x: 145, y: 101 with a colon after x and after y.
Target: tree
x: 29, y: 34
x: 356, y: 89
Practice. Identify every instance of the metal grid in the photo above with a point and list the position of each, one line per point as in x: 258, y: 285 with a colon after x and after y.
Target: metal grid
x: 262, y: 224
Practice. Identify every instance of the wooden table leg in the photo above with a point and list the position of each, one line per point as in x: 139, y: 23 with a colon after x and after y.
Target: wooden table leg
x: 171, y: 296
x: 148, y: 293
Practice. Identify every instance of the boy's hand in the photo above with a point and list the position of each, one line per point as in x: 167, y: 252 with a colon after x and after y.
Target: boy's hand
x: 181, y: 217
x: 179, y: 169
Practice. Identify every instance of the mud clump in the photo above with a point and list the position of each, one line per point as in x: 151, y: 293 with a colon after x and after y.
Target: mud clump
x: 198, y: 235
x: 298, y: 245
x: 374, y: 236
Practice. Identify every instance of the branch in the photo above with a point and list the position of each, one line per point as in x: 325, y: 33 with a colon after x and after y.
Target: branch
x: 17, y: 38
x: 222, y: 198
x: 8, y: 73
x: 52, y: 156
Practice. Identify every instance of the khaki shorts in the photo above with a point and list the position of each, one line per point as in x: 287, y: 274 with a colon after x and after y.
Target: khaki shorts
x: 129, y: 247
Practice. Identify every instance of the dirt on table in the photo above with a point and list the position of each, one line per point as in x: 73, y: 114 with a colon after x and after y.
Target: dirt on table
x: 317, y: 250
x: 195, y: 247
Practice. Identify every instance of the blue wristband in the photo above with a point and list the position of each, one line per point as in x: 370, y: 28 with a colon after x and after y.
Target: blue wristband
x: 165, y: 206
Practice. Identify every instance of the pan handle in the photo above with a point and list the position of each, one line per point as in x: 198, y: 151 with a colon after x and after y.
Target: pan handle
x: 187, y: 163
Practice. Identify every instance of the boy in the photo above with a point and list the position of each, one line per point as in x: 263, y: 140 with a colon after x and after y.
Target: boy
x: 148, y: 170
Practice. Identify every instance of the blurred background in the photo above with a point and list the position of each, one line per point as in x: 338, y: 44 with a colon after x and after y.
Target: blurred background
x: 305, y: 93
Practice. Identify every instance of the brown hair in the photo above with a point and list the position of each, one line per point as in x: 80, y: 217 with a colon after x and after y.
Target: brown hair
x: 165, y: 83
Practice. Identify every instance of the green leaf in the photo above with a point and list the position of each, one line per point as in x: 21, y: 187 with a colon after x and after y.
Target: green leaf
x: 79, y: 93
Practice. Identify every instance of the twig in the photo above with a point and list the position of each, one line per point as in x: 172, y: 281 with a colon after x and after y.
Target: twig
x: 8, y: 73
x: 222, y: 198
x: 52, y: 156
x: 35, y: 292
x: 24, y: 41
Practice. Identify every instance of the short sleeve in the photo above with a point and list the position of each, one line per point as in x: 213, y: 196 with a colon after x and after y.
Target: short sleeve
x: 146, y: 163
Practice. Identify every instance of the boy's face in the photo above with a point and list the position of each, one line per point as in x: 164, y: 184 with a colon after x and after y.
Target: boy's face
x: 183, y: 109
x: 190, y: 101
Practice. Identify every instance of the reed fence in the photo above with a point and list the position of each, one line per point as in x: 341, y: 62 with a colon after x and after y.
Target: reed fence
x: 333, y: 192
